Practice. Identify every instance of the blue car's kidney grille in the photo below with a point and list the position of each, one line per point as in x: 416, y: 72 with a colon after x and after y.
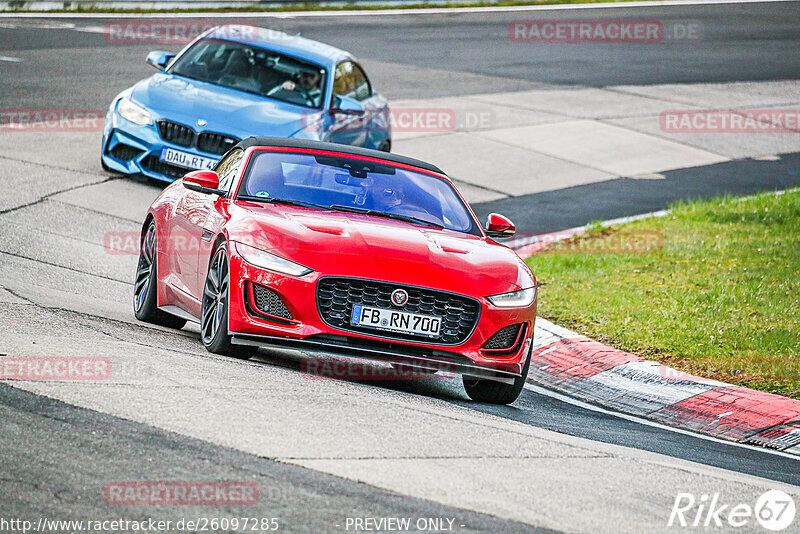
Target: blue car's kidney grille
x: 175, y: 133
x: 215, y: 143
x: 182, y: 135
x: 336, y: 297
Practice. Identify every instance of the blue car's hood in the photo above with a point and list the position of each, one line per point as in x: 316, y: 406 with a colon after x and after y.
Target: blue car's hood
x: 225, y: 110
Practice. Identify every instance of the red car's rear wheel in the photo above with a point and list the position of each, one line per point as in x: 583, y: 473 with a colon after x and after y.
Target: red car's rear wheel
x: 145, y: 304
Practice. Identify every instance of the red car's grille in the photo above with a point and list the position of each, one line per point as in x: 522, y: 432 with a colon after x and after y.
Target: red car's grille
x: 336, y: 297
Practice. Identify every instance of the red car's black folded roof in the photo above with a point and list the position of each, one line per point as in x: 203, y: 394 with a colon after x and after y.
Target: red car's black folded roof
x: 345, y: 149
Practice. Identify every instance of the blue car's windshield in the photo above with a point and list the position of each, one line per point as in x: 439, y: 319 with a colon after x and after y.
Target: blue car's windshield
x: 254, y: 70
x: 344, y: 184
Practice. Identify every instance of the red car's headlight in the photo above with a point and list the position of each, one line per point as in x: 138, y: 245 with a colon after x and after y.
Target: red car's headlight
x: 515, y: 299
x: 270, y: 262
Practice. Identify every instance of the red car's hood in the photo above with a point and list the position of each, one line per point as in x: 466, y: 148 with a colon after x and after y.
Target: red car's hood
x: 345, y: 244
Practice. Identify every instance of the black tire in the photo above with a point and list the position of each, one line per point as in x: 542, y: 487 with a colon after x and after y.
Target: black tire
x: 492, y: 392
x: 145, y: 306
x: 214, y: 309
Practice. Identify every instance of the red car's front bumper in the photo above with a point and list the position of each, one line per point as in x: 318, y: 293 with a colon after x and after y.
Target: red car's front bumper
x: 248, y: 326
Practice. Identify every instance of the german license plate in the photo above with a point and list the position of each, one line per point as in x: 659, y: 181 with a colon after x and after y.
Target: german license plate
x: 186, y: 160
x: 396, y: 321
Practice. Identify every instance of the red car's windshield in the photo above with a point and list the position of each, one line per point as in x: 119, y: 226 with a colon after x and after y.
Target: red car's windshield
x: 359, y: 186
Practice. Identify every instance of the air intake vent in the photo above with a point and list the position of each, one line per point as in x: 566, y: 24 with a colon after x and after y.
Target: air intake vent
x: 505, y: 338
x: 269, y: 302
x: 124, y: 152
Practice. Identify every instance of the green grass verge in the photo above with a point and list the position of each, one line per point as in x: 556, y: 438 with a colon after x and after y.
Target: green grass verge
x: 303, y: 6
x: 718, y: 297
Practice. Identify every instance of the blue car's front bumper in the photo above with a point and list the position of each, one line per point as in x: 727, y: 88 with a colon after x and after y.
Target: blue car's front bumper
x: 135, y: 149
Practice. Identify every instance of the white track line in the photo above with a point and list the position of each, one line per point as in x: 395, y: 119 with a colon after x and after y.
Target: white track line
x: 585, y: 405
x: 10, y: 59
x: 388, y: 12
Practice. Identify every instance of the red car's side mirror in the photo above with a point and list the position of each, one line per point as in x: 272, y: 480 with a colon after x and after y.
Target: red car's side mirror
x: 203, y: 182
x: 499, y: 226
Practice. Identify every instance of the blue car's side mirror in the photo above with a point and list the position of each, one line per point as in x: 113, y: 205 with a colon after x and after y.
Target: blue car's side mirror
x: 159, y: 59
x: 343, y: 105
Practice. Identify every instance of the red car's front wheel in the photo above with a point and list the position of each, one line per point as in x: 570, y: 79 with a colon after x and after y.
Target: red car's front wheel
x: 214, y: 309
x: 493, y: 392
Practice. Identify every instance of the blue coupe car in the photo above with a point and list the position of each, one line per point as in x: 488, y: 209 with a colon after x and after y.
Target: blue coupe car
x: 234, y: 82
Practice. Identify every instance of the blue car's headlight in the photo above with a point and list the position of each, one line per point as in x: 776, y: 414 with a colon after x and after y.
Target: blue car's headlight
x: 515, y: 299
x: 133, y: 112
x: 268, y: 261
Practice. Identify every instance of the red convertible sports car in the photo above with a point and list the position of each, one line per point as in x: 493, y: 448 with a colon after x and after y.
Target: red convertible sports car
x: 344, y: 250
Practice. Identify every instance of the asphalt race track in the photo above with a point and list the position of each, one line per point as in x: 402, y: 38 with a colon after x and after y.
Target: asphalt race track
x: 322, y: 450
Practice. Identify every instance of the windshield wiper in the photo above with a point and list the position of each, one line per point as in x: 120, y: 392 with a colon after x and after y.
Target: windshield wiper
x: 285, y: 201
x: 395, y: 216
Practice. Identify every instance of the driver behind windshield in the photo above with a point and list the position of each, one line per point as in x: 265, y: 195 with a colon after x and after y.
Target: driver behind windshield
x: 308, y: 82
x: 254, y: 70
x: 387, y: 197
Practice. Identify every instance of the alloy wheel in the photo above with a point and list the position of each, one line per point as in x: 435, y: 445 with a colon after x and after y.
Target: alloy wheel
x: 145, y: 268
x: 215, y: 295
